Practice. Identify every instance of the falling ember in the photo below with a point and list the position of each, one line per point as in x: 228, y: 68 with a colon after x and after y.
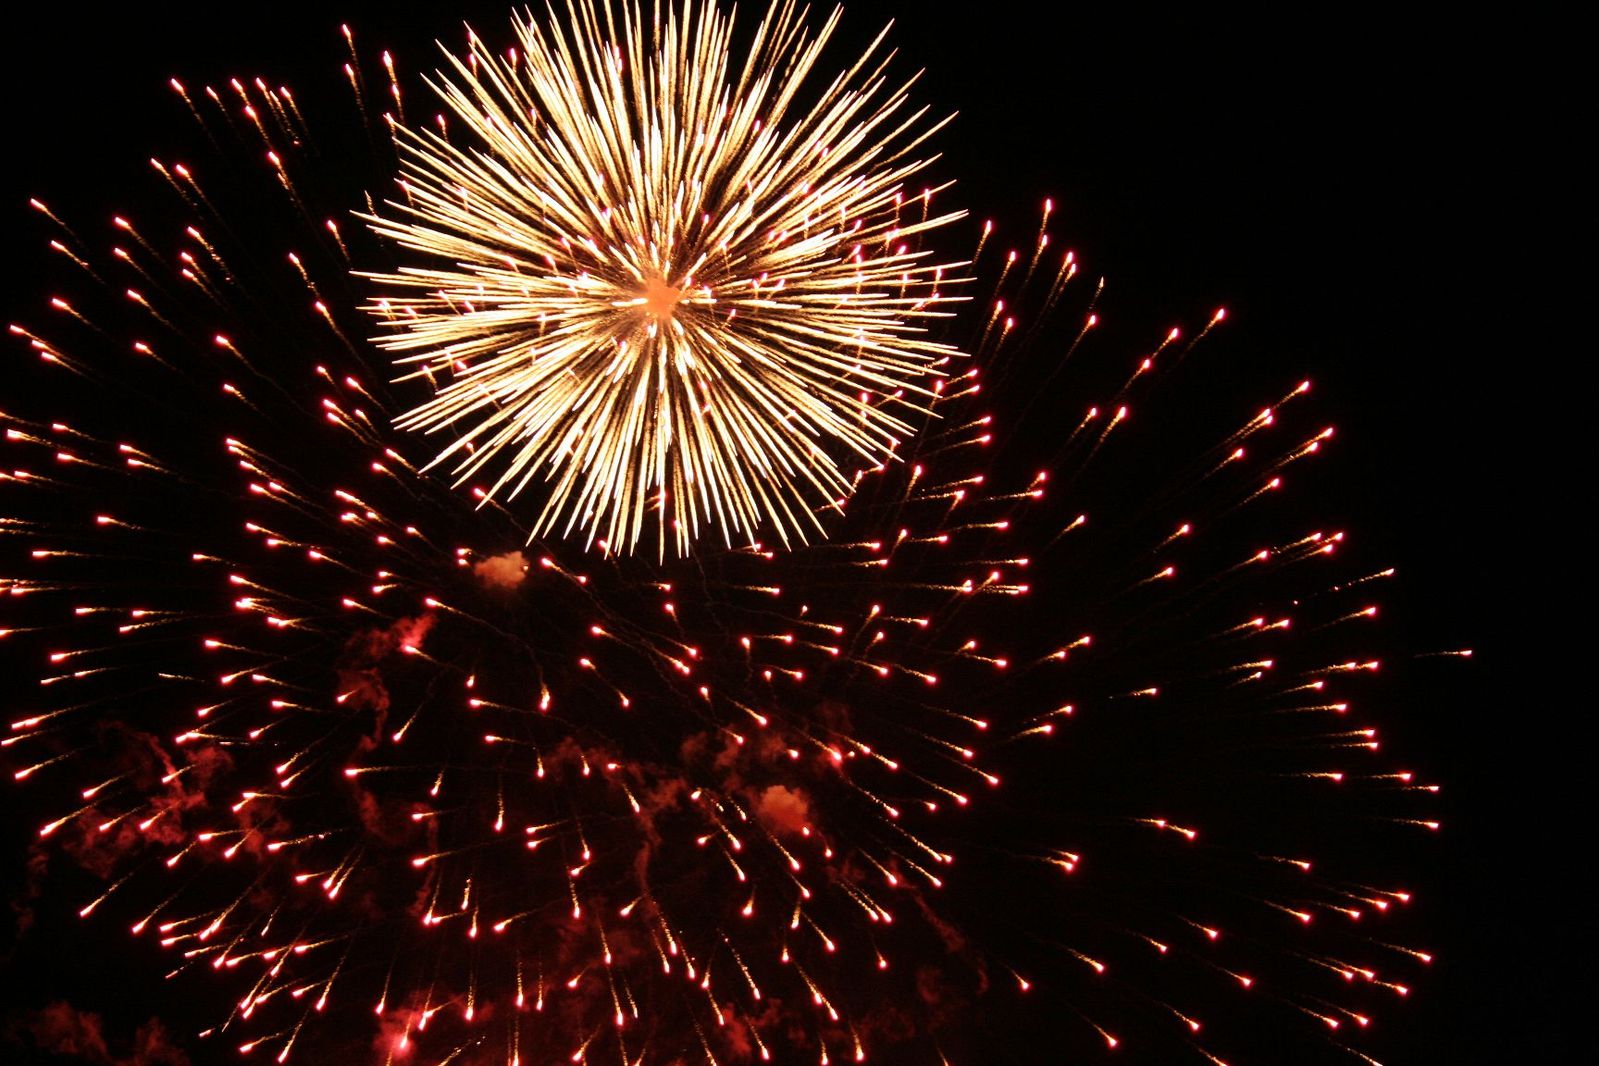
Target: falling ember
x: 401, y: 768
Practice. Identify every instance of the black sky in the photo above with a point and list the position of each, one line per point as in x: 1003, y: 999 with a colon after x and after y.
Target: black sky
x: 1377, y: 202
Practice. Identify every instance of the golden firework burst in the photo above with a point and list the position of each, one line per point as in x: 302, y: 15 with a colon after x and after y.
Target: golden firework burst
x: 673, y: 288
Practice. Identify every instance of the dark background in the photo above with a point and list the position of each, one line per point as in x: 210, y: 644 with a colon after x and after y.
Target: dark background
x: 1381, y: 204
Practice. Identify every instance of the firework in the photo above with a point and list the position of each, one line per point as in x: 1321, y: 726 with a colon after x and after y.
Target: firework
x: 669, y: 284
x: 1038, y: 751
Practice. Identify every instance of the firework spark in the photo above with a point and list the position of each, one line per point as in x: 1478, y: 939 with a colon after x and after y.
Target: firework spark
x: 671, y: 287
x: 1037, y: 751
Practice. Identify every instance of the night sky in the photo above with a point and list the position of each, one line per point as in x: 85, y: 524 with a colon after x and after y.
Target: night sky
x: 1370, y: 200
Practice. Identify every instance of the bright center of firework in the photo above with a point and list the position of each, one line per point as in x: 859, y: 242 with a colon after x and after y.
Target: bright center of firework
x: 568, y: 247
x: 660, y: 298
